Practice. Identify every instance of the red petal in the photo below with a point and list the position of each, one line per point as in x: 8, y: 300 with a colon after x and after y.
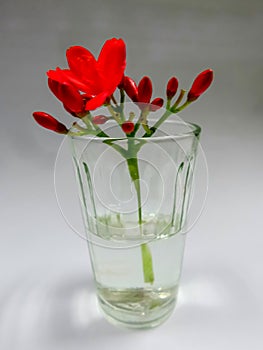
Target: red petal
x: 57, y: 75
x: 96, y: 102
x: 71, y: 112
x: 145, y: 90
x: 79, y: 55
x: 68, y: 95
x: 84, y: 66
x: 71, y: 97
x: 65, y: 75
x: 112, y: 63
x: 49, y: 122
x: 200, y: 84
x: 54, y: 87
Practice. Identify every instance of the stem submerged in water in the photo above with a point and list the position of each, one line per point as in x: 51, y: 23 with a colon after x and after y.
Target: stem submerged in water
x: 147, y: 264
x: 135, y: 176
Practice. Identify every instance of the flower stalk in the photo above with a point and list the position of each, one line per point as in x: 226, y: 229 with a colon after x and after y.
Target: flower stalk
x: 132, y: 162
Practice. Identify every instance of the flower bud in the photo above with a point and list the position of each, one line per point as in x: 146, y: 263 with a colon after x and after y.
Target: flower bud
x: 99, y: 119
x: 49, y: 122
x: 130, y: 88
x: 171, y: 88
x: 145, y: 90
x: 128, y: 127
x: 200, y: 85
x: 156, y: 104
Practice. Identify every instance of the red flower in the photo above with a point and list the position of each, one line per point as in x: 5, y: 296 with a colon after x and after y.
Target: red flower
x: 200, y: 85
x: 141, y: 94
x: 97, y: 78
x: 127, y: 127
x: 49, y: 122
x: 171, y: 88
x: 99, y: 119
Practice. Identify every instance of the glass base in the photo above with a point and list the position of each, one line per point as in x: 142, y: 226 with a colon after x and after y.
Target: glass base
x: 138, y: 307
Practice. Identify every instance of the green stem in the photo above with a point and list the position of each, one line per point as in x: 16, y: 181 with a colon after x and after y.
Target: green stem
x: 117, y: 148
x: 99, y: 132
x: 164, y: 117
x: 147, y: 263
x: 115, y: 115
x: 122, y: 93
x: 136, y: 128
x: 86, y: 120
x: 181, y: 96
x: 179, y: 109
x: 82, y: 133
x: 114, y: 100
x: 134, y: 173
x: 132, y: 162
x: 158, y: 123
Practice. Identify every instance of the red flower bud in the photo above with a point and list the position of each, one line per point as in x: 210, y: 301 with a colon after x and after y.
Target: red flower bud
x: 128, y: 127
x: 145, y: 90
x: 156, y: 104
x: 99, y: 119
x: 130, y: 88
x: 49, y: 122
x: 200, y: 85
x: 171, y: 88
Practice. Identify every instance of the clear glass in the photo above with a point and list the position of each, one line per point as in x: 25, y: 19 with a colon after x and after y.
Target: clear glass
x: 134, y: 208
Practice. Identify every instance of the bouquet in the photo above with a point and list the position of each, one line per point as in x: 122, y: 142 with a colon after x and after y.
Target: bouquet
x: 89, y: 83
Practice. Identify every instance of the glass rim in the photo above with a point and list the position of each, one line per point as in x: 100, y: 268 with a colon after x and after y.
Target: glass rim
x: 195, y: 131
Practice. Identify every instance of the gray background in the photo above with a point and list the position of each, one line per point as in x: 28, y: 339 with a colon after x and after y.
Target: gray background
x: 46, y: 295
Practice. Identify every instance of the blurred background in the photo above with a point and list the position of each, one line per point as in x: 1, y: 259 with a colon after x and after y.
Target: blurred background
x: 47, y: 299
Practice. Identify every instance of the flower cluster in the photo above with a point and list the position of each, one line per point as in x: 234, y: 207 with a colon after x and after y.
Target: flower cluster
x: 88, y: 83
